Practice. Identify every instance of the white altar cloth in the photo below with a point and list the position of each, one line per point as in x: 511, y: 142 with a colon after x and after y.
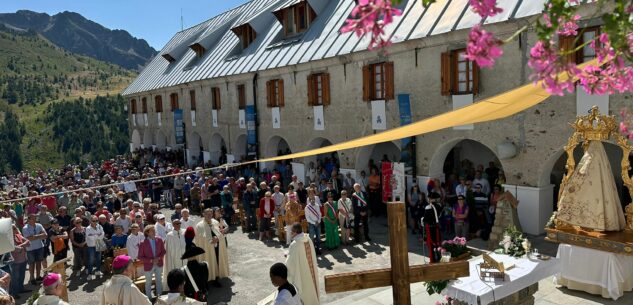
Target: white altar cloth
x: 594, y: 271
x: 526, y: 271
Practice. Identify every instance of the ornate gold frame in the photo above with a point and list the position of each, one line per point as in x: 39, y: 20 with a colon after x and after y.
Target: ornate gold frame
x: 598, y: 127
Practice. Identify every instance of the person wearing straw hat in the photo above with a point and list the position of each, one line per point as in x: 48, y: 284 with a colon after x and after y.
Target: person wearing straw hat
x: 53, y: 286
x: 120, y: 289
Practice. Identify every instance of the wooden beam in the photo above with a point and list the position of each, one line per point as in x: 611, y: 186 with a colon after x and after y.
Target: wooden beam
x: 358, y: 280
x: 399, y: 248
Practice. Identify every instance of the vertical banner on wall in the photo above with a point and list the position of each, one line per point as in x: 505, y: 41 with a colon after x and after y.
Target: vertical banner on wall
x: 378, y: 115
x: 145, y: 119
x: 387, y: 174
x: 214, y: 117
x: 242, y: 118
x: 193, y: 118
x: 251, y: 132
x: 319, y: 122
x: 407, y: 153
x: 134, y: 119
x: 159, y: 118
x: 398, y: 179
x: 179, y: 127
x: 276, y: 116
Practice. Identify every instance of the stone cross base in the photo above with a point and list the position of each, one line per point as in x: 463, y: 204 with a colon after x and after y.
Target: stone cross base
x: 524, y: 296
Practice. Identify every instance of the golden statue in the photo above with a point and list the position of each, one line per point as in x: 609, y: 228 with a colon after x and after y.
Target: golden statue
x: 629, y: 216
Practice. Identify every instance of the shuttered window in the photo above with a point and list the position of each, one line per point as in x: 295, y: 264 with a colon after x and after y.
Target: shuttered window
x: 215, y: 98
x: 173, y: 101
x: 192, y: 99
x: 158, y: 103
x: 133, y: 106
x: 458, y: 74
x: 319, y: 89
x: 241, y: 96
x: 144, y: 104
x: 275, y: 93
x: 378, y: 81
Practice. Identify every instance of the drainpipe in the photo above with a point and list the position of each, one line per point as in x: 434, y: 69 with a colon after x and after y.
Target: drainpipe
x: 257, y: 147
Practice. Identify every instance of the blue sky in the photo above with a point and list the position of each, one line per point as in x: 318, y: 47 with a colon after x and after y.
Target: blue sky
x: 153, y: 20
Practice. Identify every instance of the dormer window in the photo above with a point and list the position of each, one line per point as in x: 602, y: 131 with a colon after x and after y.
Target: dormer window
x: 246, y: 33
x: 296, y: 19
x: 169, y: 58
x: 198, y: 48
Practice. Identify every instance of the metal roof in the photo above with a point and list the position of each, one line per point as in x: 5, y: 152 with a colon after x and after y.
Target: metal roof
x: 322, y: 40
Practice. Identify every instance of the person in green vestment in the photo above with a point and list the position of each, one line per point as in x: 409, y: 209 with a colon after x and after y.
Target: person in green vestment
x: 332, y: 239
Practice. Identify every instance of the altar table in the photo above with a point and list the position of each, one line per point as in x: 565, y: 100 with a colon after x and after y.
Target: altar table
x: 521, y: 282
x: 593, y: 271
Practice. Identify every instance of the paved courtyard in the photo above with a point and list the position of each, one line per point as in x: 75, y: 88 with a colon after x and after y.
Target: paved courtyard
x: 250, y: 260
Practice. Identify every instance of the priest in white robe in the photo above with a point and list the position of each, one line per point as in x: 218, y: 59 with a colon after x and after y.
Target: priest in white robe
x: 205, y: 238
x: 175, y: 246
x: 302, y: 266
x: 220, y: 229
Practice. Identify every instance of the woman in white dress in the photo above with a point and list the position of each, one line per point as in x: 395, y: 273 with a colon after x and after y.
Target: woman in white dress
x: 345, y: 217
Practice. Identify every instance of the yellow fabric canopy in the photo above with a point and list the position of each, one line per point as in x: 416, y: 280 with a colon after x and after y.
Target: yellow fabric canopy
x: 493, y: 108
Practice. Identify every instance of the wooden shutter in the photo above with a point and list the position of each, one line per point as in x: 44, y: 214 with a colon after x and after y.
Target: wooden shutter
x: 280, y: 98
x: 133, y: 106
x: 269, y: 93
x: 216, y: 98
x: 568, y: 43
x: 192, y: 98
x: 367, y: 83
x: 311, y: 89
x: 389, y: 82
x: 158, y: 103
x: 475, y: 87
x: 144, y: 101
x: 446, y: 73
x: 325, y: 85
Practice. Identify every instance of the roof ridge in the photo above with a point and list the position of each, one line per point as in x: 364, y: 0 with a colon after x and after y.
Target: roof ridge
x: 218, y: 15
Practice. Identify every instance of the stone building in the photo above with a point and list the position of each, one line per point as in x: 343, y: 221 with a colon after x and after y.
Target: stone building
x: 287, y: 61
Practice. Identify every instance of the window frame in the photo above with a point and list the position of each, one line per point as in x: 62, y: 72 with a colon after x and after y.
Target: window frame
x: 314, y: 79
x: 158, y: 103
x: 192, y: 99
x: 144, y: 104
x: 456, y: 59
x: 216, y: 101
x: 133, y: 108
x: 580, y: 55
x: 373, y: 90
x: 173, y: 101
x: 275, y: 94
x: 241, y: 96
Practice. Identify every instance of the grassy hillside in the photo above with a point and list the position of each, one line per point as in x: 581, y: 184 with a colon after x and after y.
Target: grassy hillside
x: 35, y: 74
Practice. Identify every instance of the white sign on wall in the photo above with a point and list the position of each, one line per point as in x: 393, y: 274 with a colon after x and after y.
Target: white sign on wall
x: 242, y: 118
x: 276, y: 117
x: 159, y: 118
x: 584, y: 102
x: 460, y: 101
x: 230, y: 159
x: 299, y: 170
x: 134, y: 119
x: 206, y: 156
x: 193, y: 118
x: 399, y: 188
x: 319, y: 122
x: 145, y: 119
x: 214, y: 117
x: 378, y: 115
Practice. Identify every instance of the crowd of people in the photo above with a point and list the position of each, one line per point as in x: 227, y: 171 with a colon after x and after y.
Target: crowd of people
x: 102, y: 211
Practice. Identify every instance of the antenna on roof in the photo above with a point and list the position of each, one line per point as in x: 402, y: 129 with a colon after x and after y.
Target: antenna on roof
x: 182, y: 22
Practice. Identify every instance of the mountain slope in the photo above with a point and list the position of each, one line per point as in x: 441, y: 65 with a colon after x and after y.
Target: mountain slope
x: 36, y: 76
x: 77, y: 34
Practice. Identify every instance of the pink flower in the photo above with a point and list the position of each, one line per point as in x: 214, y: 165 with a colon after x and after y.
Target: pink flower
x: 623, y: 128
x: 546, y: 67
x: 569, y: 27
x: 371, y: 17
x: 483, y: 48
x: 485, y: 8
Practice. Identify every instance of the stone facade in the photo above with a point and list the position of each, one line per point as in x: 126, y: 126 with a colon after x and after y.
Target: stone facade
x: 538, y: 133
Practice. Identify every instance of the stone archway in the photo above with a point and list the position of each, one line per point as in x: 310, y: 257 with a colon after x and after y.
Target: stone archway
x: 136, y: 140
x: 318, y: 143
x: 276, y: 146
x: 148, y: 139
x: 194, y: 147
x: 553, y: 170
x: 461, y: 157
x: 239, y: 151
x: 217, y: 148
x: 376, y: 153
x: 160, y: 140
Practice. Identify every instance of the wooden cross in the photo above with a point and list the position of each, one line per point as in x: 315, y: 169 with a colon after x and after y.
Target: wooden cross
x: 400, y: 275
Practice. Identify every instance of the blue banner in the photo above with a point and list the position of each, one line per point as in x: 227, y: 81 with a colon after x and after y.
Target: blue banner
x: 407, y: 153
x: 251, y: 132
x: 179, y: 126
